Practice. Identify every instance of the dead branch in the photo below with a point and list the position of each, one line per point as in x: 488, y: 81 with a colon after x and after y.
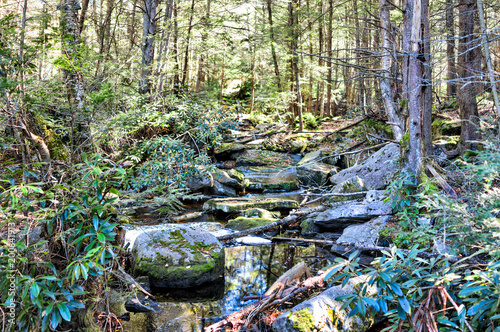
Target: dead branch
x: 127, y: 278
x: 442, y: 182
x: 294, y: 215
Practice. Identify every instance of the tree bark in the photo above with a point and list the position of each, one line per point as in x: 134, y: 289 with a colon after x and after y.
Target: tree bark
x: 294, y: 19
x: 273, y: 51
x: 81, y: 23
x: 329, y: 46
x: 385, y: 83
x: 451, y: 87
x: 201, y: 65
x: 188, y: 40
x: 176, y: 79
x: 491, y: 73
x: 149, y: 31
x: 469, y: 65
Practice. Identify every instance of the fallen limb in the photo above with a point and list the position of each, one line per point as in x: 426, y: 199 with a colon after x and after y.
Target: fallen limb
x: 127, y: 278
x: 294, y: 215
x: 359, y: 193
x: 442, y: 182
x: 293, y: 239
x: 348, y: 126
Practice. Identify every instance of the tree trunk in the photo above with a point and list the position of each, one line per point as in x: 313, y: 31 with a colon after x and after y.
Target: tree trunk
x: 273, y: 51
x: 201, y: 65
x: 294, y: 20
x: 329, y: 47
x: 176, y: 80
x: 451, y: 88
x: 358, y: 54
x: 469, y: 65
x: 385, y: 82
x: 186, y: 54
x: 491, y: 73
x: 149, y: 31
x: 427, y: 82
x: 85, y: 6
x: 319, y: 110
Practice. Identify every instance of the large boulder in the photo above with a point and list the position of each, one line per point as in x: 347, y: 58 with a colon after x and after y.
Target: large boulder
x: 231, y: 178
x: 200, y: 181
x: 243, y: 223
x: 311, y: 157
x: 376, y: 171
x: 178, y: 257
x: 364, y: 235
x: 323, y: 313
x: 264, y: 157
x: 314, y: 173
x: 236, y: 205
x: 271, y: 179
x: 354, y: 212
x: 226, y: 149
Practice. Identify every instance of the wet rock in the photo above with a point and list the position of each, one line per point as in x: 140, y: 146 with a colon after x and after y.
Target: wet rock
x: 308, y: 226
x: 220, y: 189
x: 200, y: 181
x: 178, y: 257
x: 187, y: 216
x: 324, y: 313
x: 314, y: 173
x: 355, y: 212
x: 142, y: 304
x: 310, y: 157
x: 298, y: 145
x: 226, y: 149
x: 271, y: 179
x: 376, y: 171
x: 365, y: 234
x: 233, y: 205
x: 264, y: 157
x: 258, y: 213
x: 242, y: 223
x: 231, y: 178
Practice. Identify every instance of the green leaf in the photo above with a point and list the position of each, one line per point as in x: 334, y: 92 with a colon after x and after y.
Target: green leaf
x: 403, y: 302
x: 95, y: 222
x: 396, y: 289
x: 35, y: 289
x: 472, y: 290
x: 101, y: 237
x: 64, y: 311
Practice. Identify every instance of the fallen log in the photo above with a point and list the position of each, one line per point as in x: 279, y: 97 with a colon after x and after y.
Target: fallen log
x: 442, y: 182
x: 347, y: 126
x: 294, y: 215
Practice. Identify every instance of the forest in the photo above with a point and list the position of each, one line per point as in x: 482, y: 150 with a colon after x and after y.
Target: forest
x: 227, y: 165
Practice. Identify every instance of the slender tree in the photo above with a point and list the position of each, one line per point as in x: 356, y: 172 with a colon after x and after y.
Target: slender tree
x: 148, y: 49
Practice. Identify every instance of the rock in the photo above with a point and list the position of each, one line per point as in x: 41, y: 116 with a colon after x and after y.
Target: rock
x: 365, y: 234
x: 354, y: 212
x: 298, y: 145
x: 226, y: 149
x: 263, y: 158
x: 314, y: 173
x: 376, y: 171
x: 232, y: 205
x: 351, y: 185
x: 220, y: 189
x: 231, y: 178
x: 308, y: 227
x: 271, y: 179
x: 255, y: 144
x: 323, y: 313
x: 187, y: 216
x: 200, y: 181
x: 141, y: 303
x: 242, y: 223
x: 178, y: 257
x: 310, y: 157
x: 259, y: 213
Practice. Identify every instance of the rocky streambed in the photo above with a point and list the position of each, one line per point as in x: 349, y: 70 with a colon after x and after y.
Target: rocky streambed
x: 200, y: 279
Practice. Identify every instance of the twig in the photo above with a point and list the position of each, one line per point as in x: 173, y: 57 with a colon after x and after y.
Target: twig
x: 285, y: 221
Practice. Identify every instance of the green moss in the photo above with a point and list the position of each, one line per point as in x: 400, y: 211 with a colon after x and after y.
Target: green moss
x: 242, y: 223
x: 303, y: 321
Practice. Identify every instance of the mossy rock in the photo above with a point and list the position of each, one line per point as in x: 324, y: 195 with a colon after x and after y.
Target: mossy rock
x: 178, y: 257
x: 264, y: 157
x: 243, y: 223
x: 298, y: 145
x: 226, y: 149
x: 259, y: 213
x: 444, y: 127
x: 235, y: 205
x: 272, y: 179
x: 310, y: 157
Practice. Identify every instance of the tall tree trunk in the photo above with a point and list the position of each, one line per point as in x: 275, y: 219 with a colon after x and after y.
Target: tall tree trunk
x: 176, y: 80
x: 273, y: 51
x: 186, y: 54
x: 131, y: 27
x: 319, y: 110
x: 294, y: 18
x: 164, y: 47
x: 385, y: 82
x: 451, y: 88
x: 469, y: 65
x: 491, y: 73
x: 358, y: 53
x: 149, y: 31
x: 427, y: 81
x: 85, y: 6
x: 201, y: 66
x: 329, y: 47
